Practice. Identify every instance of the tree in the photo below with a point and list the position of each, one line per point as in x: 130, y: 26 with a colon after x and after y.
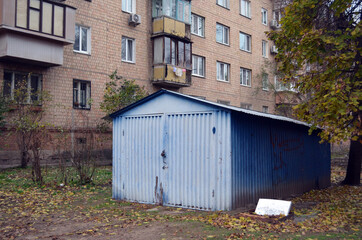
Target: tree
x: 3, y: 109
x: 120, y: 92
x: 27, y: 107
x: 319, y: 47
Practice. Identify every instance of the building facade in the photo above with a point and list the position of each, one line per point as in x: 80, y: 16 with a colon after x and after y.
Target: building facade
x: 215, y: 50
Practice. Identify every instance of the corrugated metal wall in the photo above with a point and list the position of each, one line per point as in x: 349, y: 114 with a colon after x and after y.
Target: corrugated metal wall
x: 174, y: 159
x: 275, y: 159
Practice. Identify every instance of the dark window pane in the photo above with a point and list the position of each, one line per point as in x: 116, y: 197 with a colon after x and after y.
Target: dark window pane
x: 188, y: 55
x: 21, y: 88
x: 76, y: 41
x: 181, y: 54
x: 34, y: 88
x: 7, y: 84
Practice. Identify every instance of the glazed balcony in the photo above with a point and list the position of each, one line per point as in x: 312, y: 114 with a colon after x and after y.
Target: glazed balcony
x: 35, y: 31
x: 171, y: 27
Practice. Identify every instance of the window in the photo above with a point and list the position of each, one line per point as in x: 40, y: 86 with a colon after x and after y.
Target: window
x: 223, y: 102
x: 223, y: 71
x: 172, y: 51
x: 128, y: 49
x: 198, y: 25
x: 22, y: 87
x: 40, y: 16
x: 223, y: 3
x: 245, y: 8
x: 245, y: 42
x: 264, y: 16
x: 81, y: 94
x: 247, y: 106
x: 198, y: 66
x: 222, y: 34
x: 245, y: 77
x: 265, y: 109
x: 280, y: 86
x: 129, y: 6
x: 176, y: 9
x: 277, y: 16
x: 264, y: 48
x: 82, y: 39
x: 265, y: 81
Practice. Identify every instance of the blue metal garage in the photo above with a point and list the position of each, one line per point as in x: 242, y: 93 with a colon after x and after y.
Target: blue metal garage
x: 177, y: 150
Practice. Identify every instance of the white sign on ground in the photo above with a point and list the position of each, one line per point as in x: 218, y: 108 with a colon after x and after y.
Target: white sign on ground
x: 272, y: 207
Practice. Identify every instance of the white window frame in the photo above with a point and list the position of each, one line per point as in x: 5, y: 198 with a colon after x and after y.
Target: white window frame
x: 226, y: 71
x: 88, y: 51
x: 265, y: 81
x: 224, y: 28
x: 265, y: 109
x: 246, y: 37
x: 264, y: 16
x: 196, y: 65
x: 126, y: 40
x: 28, y: 83
x: 223, y: 3
x: 77, y: 91
x: 247, y: 73
x: 245, y: 8
x: 127, y: 8
x: 200, y: 30
x: 280, y: 86
x: 264, y: 48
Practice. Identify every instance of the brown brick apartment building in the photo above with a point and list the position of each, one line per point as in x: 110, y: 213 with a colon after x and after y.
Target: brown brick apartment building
x: 214, y: 49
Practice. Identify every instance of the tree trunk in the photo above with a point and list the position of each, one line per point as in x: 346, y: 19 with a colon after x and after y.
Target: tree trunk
x: 354, y: 163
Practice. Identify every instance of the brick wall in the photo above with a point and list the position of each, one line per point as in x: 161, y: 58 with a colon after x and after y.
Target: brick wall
x: 108, y: 23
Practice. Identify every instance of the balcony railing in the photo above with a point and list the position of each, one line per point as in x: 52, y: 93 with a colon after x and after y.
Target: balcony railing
x: 171, y: 76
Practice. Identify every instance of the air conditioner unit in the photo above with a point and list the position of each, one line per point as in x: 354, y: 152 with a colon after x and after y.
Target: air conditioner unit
x: 274, y: 49
x: 134, y: 19
x: 274, y: 24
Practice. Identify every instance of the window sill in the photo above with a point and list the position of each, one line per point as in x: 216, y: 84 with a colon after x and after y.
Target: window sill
x: 245, y: 86
x: 223, y: 6
x: 124, y: 11
x: 79, y: 108
x: 245, y: 51
x: 32, y: 108
x: 266, y: 90
x: 199, y: 76
x: 245, y: 16
x: 228, y: 45
x: 265, y: 24
x: 80, y: 52
x: 222, y: 81
x: 266, y: 57
x: 194, y: 34
x: 125, y: 61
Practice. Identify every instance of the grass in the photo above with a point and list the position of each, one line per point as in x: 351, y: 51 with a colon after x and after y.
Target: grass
x: 25, y: 206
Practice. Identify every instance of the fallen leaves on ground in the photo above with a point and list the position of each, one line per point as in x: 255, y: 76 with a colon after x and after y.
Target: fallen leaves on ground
x: 27, y: 209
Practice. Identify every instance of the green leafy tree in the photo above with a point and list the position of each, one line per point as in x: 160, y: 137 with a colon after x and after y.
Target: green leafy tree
x: 319, y: 47
x: 120, y: 92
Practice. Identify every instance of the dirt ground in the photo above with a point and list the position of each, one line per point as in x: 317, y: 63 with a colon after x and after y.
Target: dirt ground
x: 88, y: 212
